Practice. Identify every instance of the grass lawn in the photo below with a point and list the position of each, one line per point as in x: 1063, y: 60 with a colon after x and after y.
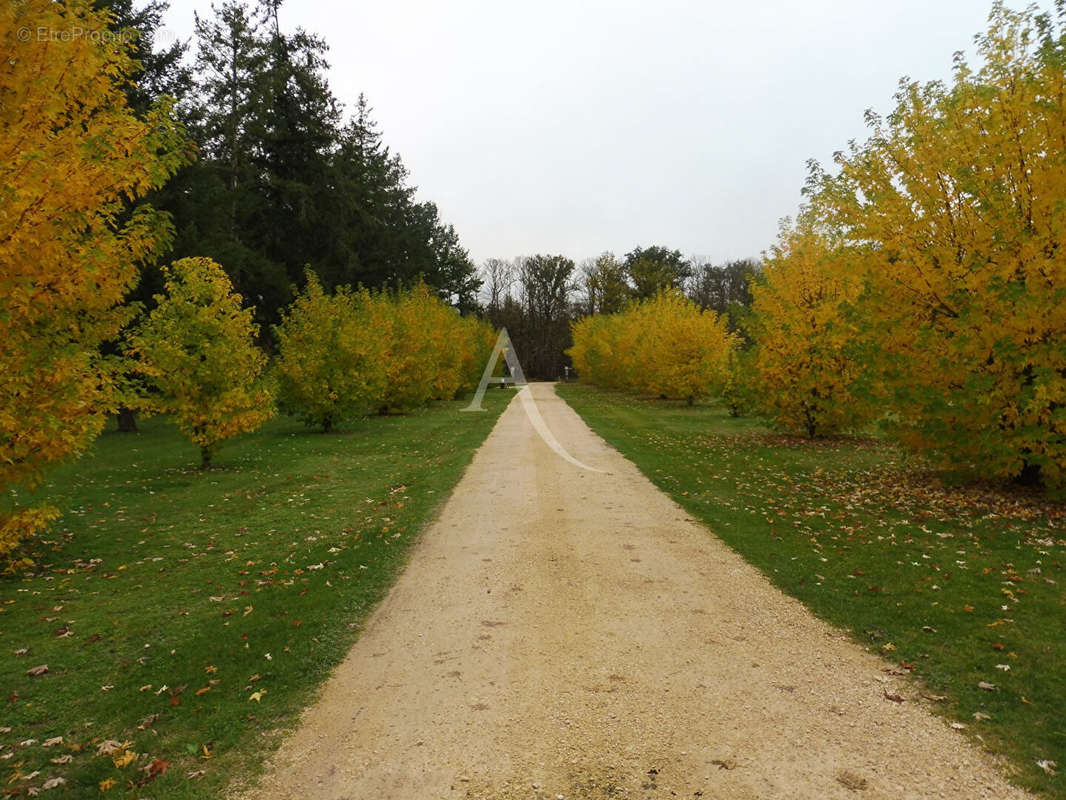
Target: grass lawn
x: 185, y: 618
x: 959, y: 586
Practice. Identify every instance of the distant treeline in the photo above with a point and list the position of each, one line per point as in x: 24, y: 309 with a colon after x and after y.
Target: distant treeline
x: 537, y: 297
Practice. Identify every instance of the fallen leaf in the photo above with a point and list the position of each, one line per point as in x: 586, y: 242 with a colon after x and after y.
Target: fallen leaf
x: 53, y: 783
x: 203, y: 691
x: 125, y: 759
x: 958, y: 726
x: 1048, y: 766
x: 156, y: 768
x: 147, y: 722
x: 52, y: 742
x: 35, y: 672
x: 988, y: 687
x: 210, y: 670
x: 66, y: 758
x: 106, y: 783
x: 980, y: 716
x: 110, y: 746
x: 257, y: 696
x: 895, y: 698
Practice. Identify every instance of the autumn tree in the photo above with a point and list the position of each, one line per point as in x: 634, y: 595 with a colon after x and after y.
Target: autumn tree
x: 331, y: 360
x: 802, y: 371
x: 959, y: 201
x: 71, y: 151
x: 197, y: 351
x: 662, y: 346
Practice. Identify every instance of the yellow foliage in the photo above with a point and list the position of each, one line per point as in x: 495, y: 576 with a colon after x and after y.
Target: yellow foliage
x: 70, y: 151
x: 349, y: 353
x: 331, y: 358
x: 959, y: 201
x: 433, y: 353
x: 802, y: 374
x: 663, y: 346
x: 197, y: 350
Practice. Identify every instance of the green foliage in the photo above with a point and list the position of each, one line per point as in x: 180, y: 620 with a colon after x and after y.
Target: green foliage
x: 197, y: 351
x: 654, y: 269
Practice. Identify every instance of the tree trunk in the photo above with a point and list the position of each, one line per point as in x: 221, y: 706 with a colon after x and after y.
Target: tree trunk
x: 205, y: 457
x: 1030, y: 475
x: 127, y: 420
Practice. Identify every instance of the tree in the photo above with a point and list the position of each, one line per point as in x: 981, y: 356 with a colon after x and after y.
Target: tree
x: 651, y: 269
x: 160, y: 76
x: 803, y: 373
x: 71, y: 149
x: 197, y: 351
x: 725, y: 289
x: 545, y: 283
x: 663, y: 346
x: 958, y: 201
x: 606, y: 288
x: 499, y: 276
x: 331, y: 361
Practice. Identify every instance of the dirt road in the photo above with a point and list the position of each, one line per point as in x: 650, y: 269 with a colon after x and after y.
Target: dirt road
x: 565, y: 633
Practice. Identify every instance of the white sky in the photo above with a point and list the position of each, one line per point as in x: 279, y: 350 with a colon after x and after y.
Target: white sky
x: 576, y: 127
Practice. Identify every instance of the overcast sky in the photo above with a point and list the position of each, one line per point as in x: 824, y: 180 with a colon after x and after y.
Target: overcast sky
x: 577, y: 126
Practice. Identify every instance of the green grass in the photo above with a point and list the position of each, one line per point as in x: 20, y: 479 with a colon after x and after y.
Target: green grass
x: 947, y: 581
x: 252, y: 577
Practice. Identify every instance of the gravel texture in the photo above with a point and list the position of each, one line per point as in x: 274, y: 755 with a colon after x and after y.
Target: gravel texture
x: 566, y: 633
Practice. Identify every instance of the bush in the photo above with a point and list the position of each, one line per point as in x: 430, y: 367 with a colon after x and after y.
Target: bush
x: 663, y: 346
x: 331, y: 361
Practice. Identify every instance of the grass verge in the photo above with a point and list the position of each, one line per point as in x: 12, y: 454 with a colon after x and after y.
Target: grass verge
x: 185, y: 618
x: 958, y: 585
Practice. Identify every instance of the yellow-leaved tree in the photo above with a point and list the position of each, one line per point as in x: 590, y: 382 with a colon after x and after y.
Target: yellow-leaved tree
x: 802, y: 373
x: 663, y: 346
x: 958, y: 200
x: 71, y: 151
x: 331, y: 357
x: 197, y: 351
x: 433, y: 353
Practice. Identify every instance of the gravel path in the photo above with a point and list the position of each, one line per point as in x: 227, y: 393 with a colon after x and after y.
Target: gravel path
x: 564, y: 633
